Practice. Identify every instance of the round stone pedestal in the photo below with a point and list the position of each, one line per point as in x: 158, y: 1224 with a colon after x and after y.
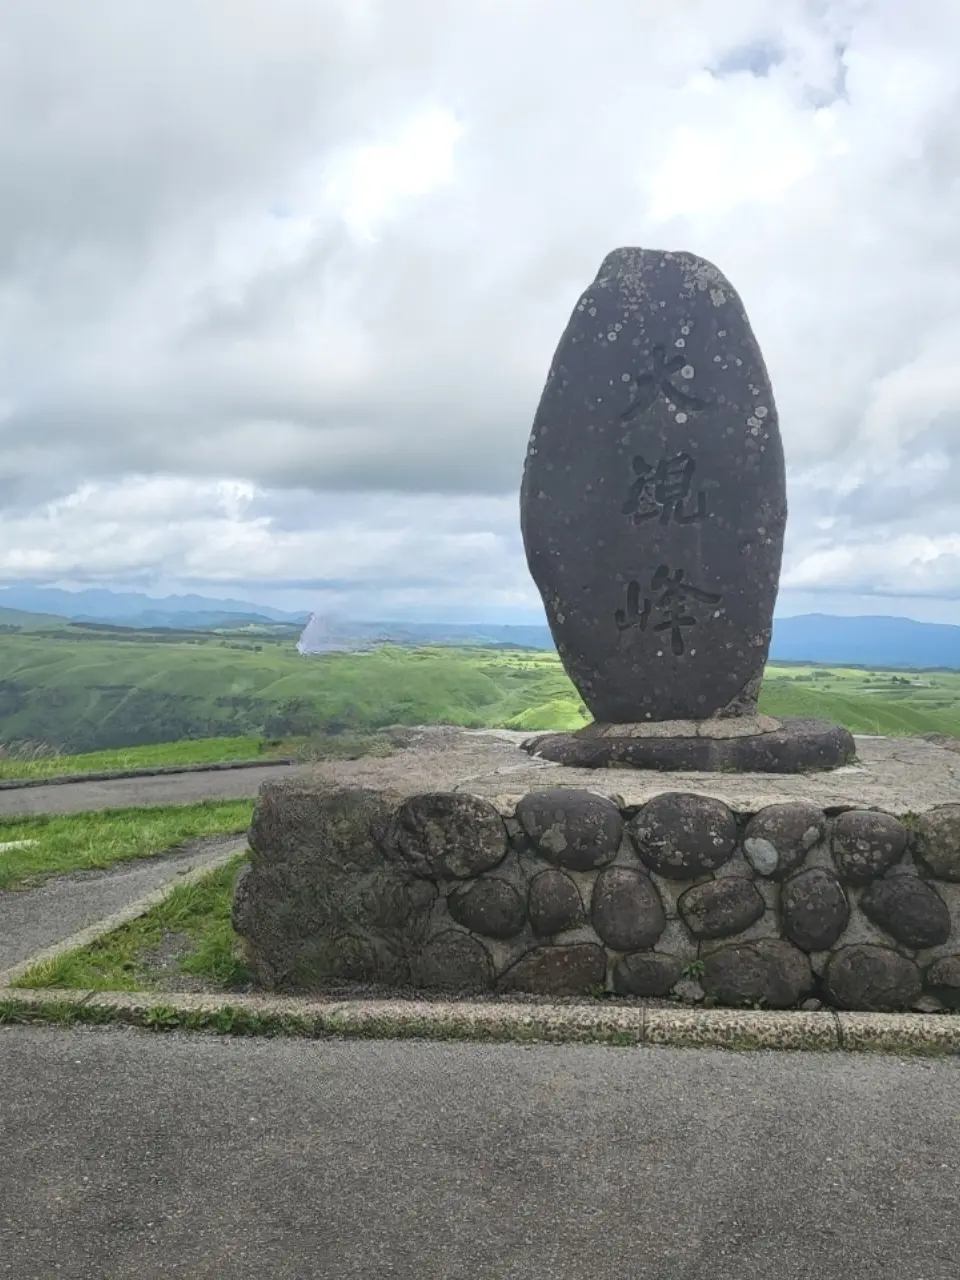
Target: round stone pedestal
x: 756, y: 744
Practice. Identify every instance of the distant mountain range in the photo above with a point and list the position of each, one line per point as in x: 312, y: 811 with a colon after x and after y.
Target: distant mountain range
x: 135, y: 609
x: 865, y: 641
x: 811, y: 637
x: 331, y: 635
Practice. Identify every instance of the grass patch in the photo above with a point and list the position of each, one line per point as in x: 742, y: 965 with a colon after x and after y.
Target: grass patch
x: 30, y: 761
x: 343, y: 746
x: 93, y: 841
x: 24, y: 760
x: 197, y: 913
x: 897, y: 704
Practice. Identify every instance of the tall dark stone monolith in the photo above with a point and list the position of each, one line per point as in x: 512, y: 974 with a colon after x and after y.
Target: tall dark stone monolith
x: 653, y: 507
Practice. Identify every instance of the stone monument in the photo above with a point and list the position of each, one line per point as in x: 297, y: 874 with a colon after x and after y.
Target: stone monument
x: 653, y: 508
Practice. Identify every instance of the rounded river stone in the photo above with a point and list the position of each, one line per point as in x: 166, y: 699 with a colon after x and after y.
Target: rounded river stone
x: 865, y: 844
x: 646, y: 973
x: 872, y: 979
x: 554, y: 903
x: 559, y: 971
x: 305, y: 820
x: 391, y: 901
x: 489, y: 906
x: 909, y: 910
x: 448, y: 835
x: 572, y: 828
x: 454, y: 961
x: 768, y: 972
x: 780, y: 836
x: 683, y: 836
x: 721, y: 908
x: 626, y: 910
x: 653, y: 500
x: 814, y: 910
x: 943, y: 980
x: 938, y: 841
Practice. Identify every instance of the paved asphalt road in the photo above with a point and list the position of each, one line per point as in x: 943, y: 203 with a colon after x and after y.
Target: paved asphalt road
x: 33, y: 919
x: 122, y: 793
x: 127, y: 1154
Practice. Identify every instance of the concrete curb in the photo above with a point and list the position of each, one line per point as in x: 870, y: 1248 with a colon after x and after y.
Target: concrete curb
x: 131, y: 911
x: 65, y: 779
x: 926, y: 1035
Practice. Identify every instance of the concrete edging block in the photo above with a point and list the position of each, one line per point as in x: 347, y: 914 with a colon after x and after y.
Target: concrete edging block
x: 633, y: 1026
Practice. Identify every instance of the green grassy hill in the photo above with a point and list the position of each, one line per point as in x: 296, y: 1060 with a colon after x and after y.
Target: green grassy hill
x: 894, y: 703
x: 95, y: 692
x: 87, y: 689
x: 15, y: 620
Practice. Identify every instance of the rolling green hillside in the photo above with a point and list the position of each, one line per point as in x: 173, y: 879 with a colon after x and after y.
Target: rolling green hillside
x: 91, y: 693
x: 86, y: 690
x: 894, y: 703
x: 15, y: 620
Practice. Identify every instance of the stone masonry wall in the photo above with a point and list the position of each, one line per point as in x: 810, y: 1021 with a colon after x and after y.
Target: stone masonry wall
x: 571, y: 894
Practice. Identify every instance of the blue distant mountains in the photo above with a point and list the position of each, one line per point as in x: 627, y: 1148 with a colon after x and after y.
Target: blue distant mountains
x: 329, y: 635
x: 135, y: 609
x: 865, y: 641
x: 810, y: 637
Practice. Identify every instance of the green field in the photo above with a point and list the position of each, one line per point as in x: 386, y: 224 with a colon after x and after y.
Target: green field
x: 893, y: 703
x: 94, y: 693
x: 93, y: 690
x: 34, y: 762
x: 16, y: 620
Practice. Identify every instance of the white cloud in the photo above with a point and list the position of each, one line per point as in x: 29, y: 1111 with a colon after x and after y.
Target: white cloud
x: 359, y: 553
x: 251, y: 253
x: 371, y: 184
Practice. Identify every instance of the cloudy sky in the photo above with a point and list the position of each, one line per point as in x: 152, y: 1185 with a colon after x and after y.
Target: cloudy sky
x: 280, y: 280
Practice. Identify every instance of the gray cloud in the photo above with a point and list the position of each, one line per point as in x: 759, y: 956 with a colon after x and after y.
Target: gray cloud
x: 325, y: 249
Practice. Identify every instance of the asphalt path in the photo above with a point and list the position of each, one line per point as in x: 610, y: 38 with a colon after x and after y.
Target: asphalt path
x: 131, y: 1154
x: 127, y: 1154
x: 124, y: 793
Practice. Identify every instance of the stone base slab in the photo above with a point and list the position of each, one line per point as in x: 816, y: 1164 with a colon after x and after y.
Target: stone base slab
x: 715, y: 727
x: 757, y: 745
x: 898, y: 775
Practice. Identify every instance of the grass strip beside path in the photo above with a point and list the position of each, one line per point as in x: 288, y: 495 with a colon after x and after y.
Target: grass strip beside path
x: 94, y: 841
x: 153, y: 756
x: 25, y: 763
x: 195, y: 916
